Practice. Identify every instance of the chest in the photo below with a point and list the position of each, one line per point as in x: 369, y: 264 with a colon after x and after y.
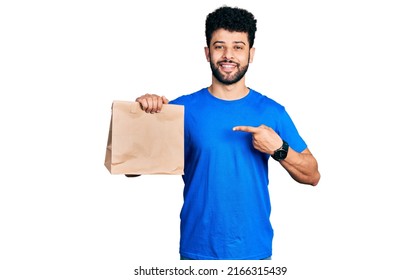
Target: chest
x: 210, y: 129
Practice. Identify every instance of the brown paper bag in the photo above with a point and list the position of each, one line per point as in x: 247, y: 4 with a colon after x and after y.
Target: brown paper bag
x: 144, y: 143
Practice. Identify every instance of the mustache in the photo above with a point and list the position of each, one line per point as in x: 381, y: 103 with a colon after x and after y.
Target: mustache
x: 227, y: 61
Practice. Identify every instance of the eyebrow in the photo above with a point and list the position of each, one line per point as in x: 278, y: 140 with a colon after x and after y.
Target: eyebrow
x: 235, y: 42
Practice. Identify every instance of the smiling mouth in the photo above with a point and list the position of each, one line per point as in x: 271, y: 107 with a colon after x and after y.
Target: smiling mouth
x: 227, y: 65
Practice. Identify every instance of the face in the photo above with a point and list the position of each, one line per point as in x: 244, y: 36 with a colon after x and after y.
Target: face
x: 229, y: 55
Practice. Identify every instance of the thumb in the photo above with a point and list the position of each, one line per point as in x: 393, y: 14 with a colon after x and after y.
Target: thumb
x: 245, y: 128
x: 165, y: 100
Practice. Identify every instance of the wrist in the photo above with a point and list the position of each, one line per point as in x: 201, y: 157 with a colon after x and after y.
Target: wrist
x: 281, y: 153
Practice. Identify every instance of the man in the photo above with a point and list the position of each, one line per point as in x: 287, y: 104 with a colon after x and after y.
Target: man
x: 230, y: 133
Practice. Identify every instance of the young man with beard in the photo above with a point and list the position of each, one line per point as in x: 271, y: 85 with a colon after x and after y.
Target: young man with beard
x: 231, y: 131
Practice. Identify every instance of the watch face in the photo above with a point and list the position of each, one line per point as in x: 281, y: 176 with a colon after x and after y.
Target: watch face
x: 282, y: 154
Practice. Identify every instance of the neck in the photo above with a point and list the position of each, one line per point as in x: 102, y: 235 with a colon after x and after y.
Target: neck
x: 228, y: 92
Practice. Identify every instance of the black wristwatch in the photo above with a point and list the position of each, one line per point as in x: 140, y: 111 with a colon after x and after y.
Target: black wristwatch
x: 281, y: 153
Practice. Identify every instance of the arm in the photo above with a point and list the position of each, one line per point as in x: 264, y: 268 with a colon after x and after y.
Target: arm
x: 302, y: 167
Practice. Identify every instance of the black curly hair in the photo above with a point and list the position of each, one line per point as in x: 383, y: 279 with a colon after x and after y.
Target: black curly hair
x: 232, y: 19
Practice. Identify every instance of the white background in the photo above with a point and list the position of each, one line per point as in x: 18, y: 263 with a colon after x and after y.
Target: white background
x: 347, y: 72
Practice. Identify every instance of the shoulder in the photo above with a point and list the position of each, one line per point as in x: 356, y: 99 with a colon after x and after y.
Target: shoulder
x: 266, y: 103
x: 188, y: 98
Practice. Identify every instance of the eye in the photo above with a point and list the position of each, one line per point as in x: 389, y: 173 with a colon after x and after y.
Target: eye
x: 218, y: 47
x: 239, y: 47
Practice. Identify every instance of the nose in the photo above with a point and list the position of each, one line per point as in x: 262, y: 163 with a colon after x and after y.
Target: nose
x: 228, y: 54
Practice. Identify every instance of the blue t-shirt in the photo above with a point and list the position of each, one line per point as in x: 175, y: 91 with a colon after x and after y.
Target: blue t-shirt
x: 226, y: 207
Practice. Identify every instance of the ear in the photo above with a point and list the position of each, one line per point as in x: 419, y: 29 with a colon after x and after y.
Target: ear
x: 251, y: 54
x: 207, y: 52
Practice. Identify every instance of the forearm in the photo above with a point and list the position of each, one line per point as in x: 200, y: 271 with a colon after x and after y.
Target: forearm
x: 302, y: 167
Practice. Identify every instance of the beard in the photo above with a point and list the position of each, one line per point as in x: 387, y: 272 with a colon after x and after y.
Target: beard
x: 228, y: 79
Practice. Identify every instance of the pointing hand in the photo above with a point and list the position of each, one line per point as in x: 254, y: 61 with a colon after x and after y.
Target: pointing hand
x: 264, y: 138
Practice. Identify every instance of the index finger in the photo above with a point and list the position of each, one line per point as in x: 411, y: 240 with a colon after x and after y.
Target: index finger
x: 245, y: 128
